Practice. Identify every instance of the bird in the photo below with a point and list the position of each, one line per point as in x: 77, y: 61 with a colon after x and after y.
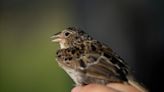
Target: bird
x: 87, y: 60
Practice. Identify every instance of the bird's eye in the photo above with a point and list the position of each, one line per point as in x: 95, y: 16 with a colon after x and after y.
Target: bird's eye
x: 67, y: 33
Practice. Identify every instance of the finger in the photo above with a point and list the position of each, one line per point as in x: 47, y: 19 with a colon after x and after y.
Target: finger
x: 77, y: 89
x: 93, y: 88
x: 123, y: 87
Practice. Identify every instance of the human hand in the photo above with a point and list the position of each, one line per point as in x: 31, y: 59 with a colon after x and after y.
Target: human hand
x: 112, y: 87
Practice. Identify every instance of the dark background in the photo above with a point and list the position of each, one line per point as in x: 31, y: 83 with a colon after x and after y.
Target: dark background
x: 133, y: 28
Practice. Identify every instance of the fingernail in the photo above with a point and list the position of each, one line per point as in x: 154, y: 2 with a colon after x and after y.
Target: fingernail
x: 76, y: 89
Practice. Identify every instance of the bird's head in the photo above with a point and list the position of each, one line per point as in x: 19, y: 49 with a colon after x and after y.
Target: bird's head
x: 69, y: 37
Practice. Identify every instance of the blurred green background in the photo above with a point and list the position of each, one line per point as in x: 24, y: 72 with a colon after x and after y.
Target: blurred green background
x: 27, y: 55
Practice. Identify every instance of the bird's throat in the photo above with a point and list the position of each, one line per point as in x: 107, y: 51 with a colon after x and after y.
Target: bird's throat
x: 63, y: 46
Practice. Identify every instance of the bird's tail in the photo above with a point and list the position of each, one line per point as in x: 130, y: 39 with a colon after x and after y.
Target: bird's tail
x: 138, y: 86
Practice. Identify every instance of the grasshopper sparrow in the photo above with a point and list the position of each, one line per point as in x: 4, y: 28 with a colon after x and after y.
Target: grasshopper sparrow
x: 87, y: 60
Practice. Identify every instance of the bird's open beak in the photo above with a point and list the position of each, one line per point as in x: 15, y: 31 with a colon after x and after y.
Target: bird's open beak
x: 56, y: 37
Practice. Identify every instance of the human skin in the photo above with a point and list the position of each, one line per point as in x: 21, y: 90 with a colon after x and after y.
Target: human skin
x: 112, y: 87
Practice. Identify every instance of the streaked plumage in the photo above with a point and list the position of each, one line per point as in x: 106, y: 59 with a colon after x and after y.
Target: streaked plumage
x: 87, y: 60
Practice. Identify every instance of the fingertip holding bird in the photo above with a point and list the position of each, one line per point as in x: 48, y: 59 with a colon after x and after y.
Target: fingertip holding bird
x: 123, y: 87
x: 76, y: 89
x: 93, y: 88
x: 112, y: 87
